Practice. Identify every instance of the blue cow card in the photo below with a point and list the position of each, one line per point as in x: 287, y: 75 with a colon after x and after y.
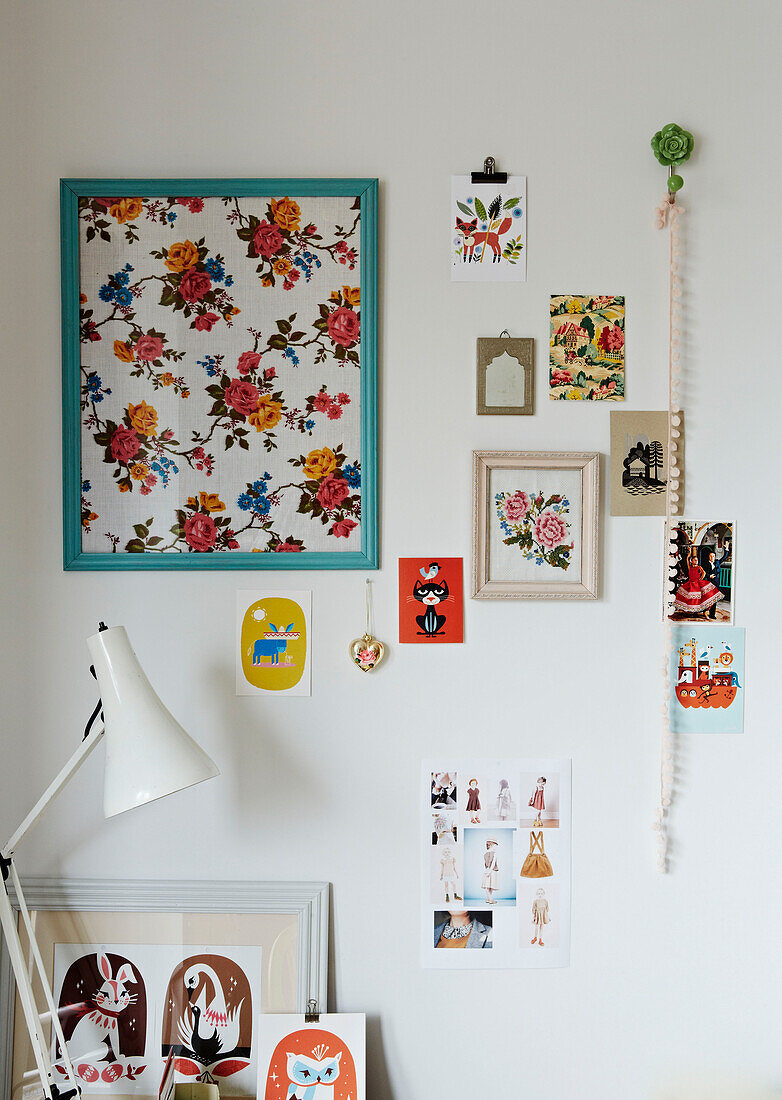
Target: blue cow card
x: 273, y: 644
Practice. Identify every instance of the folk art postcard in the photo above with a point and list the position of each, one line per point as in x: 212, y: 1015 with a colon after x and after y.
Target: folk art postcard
x: 495, y: 863
x: 587, y: 347
x: 273, y: 642
x: 128, y: 1008
x: 488, y: 230
x: 702, y: 575
x: 707, y: 680
x: 431, y: 600
x: 321, y: 1060
x: 639, y: 463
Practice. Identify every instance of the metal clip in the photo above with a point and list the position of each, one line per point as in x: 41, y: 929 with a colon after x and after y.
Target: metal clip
x: 312, y: 1016
x: 489, y: 173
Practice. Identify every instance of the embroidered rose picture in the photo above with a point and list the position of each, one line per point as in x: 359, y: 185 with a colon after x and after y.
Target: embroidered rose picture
x: 537, y: 525
x: 220, y: 374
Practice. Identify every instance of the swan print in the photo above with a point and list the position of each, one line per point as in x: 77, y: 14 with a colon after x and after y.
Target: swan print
x: 208, y: 1019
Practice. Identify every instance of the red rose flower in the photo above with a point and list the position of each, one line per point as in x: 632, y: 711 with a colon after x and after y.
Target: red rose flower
x: 195, y: 205
x: 287, y: 548
x: 200, y: 531
x: 344, y: 326
x: 334, y: 412
x: 194, y: 285
x: 148, y: 347
x: 124, y: 444
x: 204, y: 322
x: 233, y: 544
x: 343, y: 528
x: 267, y: 239
x: 269, y: 373
x: 248, y: 361
x: 332, y: 492
x: 343, y: 399
x: 242, y: 396
x: 321, y: 402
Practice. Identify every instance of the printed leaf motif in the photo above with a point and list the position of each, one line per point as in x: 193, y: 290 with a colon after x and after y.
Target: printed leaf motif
x: 480, y: 209
x: 464, y: 209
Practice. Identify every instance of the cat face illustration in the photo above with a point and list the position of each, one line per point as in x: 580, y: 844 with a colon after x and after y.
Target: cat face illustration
x: 311, y: 1071
x: 466, y: 228
x: 431, y: 593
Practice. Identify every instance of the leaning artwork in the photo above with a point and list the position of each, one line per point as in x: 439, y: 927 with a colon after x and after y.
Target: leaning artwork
x: 587, y: 347
x: 639, y: 463
x: 318, y: 1057
x: 488, y: 230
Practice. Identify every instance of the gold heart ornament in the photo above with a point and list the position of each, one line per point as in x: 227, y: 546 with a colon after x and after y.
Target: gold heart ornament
x: 366, y: 652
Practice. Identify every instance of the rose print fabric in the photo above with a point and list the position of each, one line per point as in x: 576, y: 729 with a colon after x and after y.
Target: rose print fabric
x: 220, y: 374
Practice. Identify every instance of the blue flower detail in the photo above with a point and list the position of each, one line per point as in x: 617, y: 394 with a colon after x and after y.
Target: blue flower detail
x: 229, y: 280
x: 484, y: 226
x: 86, y: 486
x: 245, y: 502
x: 215, y: 269
x: 93, y: 383
x: 260, y: 486
x: 309, y: 425
x: 128, y: 267
x: 121, y: 278
x: 261, y: 506
x: 123, y: 297
x: 469, y: 201
x: 172, y: 216
x: 106, y: 293
x: 351, y: 474
x: 516, y: 212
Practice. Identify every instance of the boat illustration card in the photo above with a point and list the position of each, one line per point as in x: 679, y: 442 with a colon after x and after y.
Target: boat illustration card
x: 702, y: 574
x: 707, y: 680
x: 639, y: 463
x: 273, y: 642
x: 431, y: 600
x: 587, y: 347
x: 488, y: 230
x: 321, y: 1060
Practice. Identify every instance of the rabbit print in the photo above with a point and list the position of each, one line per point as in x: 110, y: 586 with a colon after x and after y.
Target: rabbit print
x: 96, y: 1036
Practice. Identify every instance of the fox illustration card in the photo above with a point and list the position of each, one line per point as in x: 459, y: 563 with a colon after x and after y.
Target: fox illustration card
x: 488, y: 231
x: 431, y: 600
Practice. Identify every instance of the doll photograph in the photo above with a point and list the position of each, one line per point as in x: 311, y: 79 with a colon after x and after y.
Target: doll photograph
x: 539, y: 801
x: 488, y: 867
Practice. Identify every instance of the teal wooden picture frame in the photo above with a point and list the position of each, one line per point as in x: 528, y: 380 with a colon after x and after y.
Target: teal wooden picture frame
x: 74, y: 558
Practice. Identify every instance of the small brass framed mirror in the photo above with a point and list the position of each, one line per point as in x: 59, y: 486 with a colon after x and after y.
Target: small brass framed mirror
x: 505, y: 376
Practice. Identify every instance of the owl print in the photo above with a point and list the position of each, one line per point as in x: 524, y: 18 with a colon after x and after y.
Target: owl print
x: 313, y: 1078
x: 314, y: 1063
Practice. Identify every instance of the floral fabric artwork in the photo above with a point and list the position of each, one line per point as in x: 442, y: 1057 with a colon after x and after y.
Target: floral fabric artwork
x: 488, y: 230
x: 538, y: 525
x: 587, y: 347
x: 221, y: 364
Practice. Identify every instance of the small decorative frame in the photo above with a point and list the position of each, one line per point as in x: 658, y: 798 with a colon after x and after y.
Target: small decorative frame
x: 521, y: 395
x: 289, y: 920
x: 521, y: 527
x: 206, y: 298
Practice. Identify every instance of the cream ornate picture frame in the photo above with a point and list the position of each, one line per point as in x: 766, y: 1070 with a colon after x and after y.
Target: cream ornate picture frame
x: 535, y: 525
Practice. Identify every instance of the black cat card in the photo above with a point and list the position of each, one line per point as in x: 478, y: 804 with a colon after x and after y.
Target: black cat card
x: 431, y: 600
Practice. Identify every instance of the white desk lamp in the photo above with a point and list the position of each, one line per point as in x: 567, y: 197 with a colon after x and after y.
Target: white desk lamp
x: 148, y: 755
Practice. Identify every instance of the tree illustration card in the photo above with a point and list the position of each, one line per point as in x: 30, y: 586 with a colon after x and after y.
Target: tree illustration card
x: 639, y: 463
x: 495, y: 863
x: 587, y: 347
x: 127, y: 1008
x: 431, y: 600
x: 702, y: 574
x: 707, y: 680
x: 489, y: 230
x: 321, y: 1060
x: 273, y: 642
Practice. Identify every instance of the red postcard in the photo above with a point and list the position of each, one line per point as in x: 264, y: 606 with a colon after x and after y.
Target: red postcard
x: 431, y: 600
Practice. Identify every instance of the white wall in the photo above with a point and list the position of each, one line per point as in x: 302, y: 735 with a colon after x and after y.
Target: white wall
x: 674, y: 984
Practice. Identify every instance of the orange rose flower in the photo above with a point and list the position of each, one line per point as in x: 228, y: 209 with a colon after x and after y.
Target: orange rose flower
x: 182, y: 256
x: 124, y: 351
x: 167, y: 378
x: 192, y: 502
x: 320, y: 463
x: 82, y: 298
x: 211, y: 502
x: 266, y: 415
x: 351, y: 295
x: 143, y: 417
x: 138, y: 471
x: 126, y: 210
x: 286, y: 213
x: 282, y: 265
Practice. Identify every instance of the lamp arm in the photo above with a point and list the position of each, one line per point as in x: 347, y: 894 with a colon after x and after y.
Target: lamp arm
x: 85, y: 748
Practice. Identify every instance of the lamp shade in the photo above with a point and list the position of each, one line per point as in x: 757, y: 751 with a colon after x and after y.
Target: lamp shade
x: 148, y: 754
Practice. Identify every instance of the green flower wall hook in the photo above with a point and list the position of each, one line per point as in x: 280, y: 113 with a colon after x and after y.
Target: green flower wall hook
x: 672, y: 146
